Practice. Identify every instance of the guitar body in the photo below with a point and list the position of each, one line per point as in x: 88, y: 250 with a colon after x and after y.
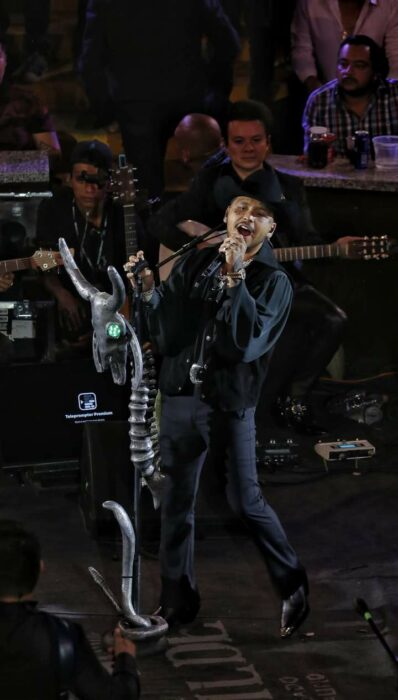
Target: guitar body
x: 165, y: 269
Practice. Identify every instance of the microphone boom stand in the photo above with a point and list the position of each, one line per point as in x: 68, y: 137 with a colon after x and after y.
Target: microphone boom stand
x: 212, y: 232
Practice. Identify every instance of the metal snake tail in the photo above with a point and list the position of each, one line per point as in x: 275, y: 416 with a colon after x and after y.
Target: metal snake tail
x: 143, y: 432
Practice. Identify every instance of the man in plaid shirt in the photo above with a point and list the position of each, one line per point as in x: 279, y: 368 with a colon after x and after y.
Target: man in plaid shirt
x: 361, y: 98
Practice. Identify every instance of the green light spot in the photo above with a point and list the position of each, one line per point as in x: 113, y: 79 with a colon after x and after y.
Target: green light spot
x: 367, y: 616
x: 113, y: 330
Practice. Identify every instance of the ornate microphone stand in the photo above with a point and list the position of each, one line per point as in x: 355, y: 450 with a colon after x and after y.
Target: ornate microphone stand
x: 114, y: 342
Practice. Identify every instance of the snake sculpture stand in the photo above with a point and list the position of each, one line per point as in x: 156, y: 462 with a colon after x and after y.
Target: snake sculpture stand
x: 114, y: 343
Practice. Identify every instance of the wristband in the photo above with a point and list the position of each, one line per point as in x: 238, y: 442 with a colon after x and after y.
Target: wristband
x: 231, y: 279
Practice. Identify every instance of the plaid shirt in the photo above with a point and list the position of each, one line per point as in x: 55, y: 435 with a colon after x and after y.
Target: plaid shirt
x: 325, y: 107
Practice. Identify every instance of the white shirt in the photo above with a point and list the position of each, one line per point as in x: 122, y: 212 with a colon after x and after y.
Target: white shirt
x: 317, y: 32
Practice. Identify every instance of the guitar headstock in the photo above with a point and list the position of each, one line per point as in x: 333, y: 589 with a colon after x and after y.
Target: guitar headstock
x: 122, y: 182
x: 46, y: 260
x: 368, y: 248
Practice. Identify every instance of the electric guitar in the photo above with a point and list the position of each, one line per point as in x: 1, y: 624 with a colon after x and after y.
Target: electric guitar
x: 367, y: 248
x: 42, y: 259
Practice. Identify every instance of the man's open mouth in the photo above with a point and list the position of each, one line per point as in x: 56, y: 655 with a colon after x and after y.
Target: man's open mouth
x: 244, y: 230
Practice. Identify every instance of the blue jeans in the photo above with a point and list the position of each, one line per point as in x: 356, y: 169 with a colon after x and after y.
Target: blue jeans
x: 187, y: 427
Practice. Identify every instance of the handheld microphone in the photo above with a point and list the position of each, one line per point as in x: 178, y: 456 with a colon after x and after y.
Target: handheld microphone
x: 219, y: 259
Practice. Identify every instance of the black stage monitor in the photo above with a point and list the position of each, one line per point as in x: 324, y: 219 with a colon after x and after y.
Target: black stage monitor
x: 45, y: 406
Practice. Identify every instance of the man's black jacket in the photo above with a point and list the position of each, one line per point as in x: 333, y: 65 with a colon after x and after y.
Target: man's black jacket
x: 29, y: 665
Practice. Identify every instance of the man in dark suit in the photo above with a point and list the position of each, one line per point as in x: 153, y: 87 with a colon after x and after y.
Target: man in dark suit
x: 147, y: 58
x: 315, y: 326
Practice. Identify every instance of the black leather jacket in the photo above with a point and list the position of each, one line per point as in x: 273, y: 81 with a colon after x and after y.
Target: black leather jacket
x: 29, y: 667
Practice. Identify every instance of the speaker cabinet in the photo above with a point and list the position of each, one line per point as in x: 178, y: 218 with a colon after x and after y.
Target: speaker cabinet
x: 106, y: 474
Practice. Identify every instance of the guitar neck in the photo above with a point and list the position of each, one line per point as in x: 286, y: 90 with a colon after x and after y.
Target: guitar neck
x: 130, y: 232
x: 307, y: 252
x: 15, y: 264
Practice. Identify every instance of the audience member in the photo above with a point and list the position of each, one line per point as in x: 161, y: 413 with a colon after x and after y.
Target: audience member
x: 268, y: 29
x: 43, y: 656
x: 152, y: 90
x: 197, y: 137
x: 360, y: 98
x: 246, y: 168
x: 214, y: 325
x: 25, y: 124
x: 36, y: 44
x: 318, y: 28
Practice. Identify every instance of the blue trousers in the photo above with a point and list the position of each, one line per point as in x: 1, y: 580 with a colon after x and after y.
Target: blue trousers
x: 188, y: 426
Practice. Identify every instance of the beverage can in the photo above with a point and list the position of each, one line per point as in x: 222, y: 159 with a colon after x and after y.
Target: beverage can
x: 361, y: 149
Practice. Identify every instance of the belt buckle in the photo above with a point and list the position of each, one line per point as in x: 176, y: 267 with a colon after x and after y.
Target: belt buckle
x: 196, y: 373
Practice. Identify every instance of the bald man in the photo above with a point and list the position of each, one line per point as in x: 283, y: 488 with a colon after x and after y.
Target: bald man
x: 197, y: 137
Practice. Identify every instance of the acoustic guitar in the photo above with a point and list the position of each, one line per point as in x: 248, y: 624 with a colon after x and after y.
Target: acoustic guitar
x: 123, y: 190
x: 366, y: 248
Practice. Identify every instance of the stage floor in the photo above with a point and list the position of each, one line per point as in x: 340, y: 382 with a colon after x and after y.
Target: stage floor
x: 343, y: 523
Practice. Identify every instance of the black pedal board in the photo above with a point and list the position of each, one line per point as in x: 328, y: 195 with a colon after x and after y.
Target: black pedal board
x: 274, y: 454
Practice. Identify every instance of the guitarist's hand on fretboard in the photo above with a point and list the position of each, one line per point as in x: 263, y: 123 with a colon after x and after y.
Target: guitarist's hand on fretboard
x: 6, y: 281
x: 344, y: 240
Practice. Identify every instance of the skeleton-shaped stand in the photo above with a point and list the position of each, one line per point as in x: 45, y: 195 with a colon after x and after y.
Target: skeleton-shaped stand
x: 114, y: 342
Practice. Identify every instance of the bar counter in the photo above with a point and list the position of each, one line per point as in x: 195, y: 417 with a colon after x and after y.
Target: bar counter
x: 345, y: 201
x: 339, y: 175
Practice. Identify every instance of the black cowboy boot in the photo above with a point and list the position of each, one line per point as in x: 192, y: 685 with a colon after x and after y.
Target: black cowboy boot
x: 294, y: 611
x: 179, y: 602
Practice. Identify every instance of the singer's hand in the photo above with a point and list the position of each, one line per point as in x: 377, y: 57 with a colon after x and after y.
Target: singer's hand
x: 146, y: 274
x: 234, y: 249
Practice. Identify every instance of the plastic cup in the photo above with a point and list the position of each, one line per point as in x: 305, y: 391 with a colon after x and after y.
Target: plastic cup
x: 386, y: 152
